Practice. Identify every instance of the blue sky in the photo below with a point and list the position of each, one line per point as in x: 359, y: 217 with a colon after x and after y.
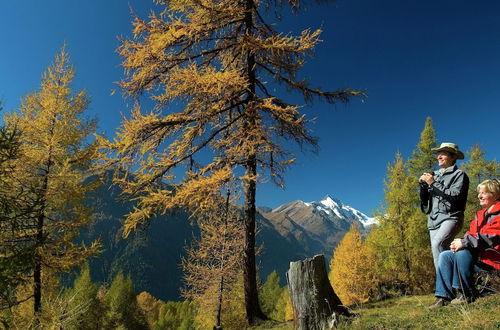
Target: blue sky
x: 414, y: 59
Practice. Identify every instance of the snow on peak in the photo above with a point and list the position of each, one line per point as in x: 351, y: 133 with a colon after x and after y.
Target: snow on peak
x: 334, y: 207
x: 330, y: 202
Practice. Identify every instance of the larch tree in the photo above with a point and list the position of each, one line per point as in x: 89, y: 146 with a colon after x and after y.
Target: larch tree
x: 270, y: 294
x: 82, y: 301
x: 402, y: 239
x: 122, y: 310
x: 394, y: 244
x: 284, y: 310
x: 352, y: 272
x: 53, y: 162
x: 478, y: 169
x: 423, y: 159
x: 213, y: 262
x: 206, y: 65
x: 15, y: 250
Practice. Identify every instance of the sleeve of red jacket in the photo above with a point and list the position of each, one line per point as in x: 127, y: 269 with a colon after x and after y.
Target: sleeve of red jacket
x: 488, y: 237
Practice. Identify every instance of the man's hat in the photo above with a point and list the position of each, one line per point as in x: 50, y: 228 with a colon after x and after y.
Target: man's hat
x: 451, y: 148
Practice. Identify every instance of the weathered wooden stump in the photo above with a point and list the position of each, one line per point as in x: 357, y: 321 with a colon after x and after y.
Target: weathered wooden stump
x: 315, y: 304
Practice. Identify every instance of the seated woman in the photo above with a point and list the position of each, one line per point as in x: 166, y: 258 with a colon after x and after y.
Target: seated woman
x: 479, y: 248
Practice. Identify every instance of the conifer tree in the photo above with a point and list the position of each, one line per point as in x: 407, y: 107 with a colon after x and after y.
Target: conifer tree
x: 423, y: 159
x: 150, y: 307
x: 121, y: 303
x: 176, y: 315
x: 351, y: 269
x: 213, y: 262
x: 398, y: 241
x: 402, y: 240
x: 478, y: 169
x: 270, y: 294
x: 399, y: 204
x: 52, y: 166
x: 284, y: 310
x: 213, y: 59
x: 15, y: 251
x: 82, y: 299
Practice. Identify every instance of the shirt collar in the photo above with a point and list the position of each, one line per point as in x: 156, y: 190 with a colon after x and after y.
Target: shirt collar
x: 450, y: 169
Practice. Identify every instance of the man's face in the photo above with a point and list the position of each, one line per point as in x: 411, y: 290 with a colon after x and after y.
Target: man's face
x: 446, y: 159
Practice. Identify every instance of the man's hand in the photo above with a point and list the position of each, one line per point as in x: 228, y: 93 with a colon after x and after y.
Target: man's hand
x: 427, y: 178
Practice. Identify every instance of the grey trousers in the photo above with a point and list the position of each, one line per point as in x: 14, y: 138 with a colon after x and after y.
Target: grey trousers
x: 442, y: 236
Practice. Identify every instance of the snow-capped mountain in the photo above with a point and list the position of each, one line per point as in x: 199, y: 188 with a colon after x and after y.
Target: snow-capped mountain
x: 318, y: 226
x: 335, y: 208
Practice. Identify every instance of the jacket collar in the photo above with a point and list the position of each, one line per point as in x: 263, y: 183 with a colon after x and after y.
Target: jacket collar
x: 484, y: 215
x: 450, y: 169
x: 495, y: 209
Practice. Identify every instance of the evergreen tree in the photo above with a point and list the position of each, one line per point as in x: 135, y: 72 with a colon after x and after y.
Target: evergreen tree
x: 82, y: 301
x: 270, y: 293
x: 351, y: 269
x: 423, y: 159
x: 213, y: 262
x: 214, y: 58
x: 177, y: 315
x: 399, y: 208
x: 397, y: 242
x: 402, y: 239
x: 52, y: 166
x: 478, y: 169
x: 283, y: 311
x: 15, y: 250
x: 150, y: 307
x: 121, y: 303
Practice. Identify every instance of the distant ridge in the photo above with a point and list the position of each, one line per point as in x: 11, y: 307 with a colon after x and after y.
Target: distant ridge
x: 152, y: 256
x: 317, y: 226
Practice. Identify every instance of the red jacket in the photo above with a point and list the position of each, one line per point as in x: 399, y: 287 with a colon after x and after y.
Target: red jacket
x: 483, y: 236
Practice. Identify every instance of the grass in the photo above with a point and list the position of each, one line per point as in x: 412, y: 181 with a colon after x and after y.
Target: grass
x: 411, y: 312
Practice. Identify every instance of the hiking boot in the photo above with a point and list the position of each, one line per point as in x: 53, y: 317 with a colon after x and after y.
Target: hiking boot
x: 440, y: 302
x: 462, y: 299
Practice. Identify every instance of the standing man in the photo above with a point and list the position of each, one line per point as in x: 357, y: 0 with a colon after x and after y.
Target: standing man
x: 443, y: 195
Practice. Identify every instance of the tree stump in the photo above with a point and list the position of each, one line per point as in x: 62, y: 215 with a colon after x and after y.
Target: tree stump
x: 315, y: 304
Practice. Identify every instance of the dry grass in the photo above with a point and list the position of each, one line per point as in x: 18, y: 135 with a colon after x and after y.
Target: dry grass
x: 411, y: 312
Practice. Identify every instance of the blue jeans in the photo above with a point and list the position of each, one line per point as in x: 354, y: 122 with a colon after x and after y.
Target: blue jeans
x: 455, y: 271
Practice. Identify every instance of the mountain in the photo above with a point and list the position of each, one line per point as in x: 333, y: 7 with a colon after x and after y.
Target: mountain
x: 317, y: 226
x: 152, y: 255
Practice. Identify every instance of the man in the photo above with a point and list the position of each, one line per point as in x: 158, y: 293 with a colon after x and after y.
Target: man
x: 443, y: 197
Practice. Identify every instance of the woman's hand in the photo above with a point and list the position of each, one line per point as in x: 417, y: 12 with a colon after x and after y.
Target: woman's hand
x: 456, y: 245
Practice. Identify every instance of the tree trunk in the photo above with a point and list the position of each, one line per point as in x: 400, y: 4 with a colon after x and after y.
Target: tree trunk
x: 315, y: 304
x: 252, y: 306
x: 37, y: 272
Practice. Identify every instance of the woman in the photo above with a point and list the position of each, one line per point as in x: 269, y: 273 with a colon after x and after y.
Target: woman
x: 479, y: 248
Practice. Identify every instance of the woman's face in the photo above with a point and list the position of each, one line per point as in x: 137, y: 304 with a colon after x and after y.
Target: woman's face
x: 486, y: 199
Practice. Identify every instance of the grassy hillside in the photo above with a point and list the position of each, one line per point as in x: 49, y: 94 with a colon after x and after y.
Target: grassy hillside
x: 412, y: 313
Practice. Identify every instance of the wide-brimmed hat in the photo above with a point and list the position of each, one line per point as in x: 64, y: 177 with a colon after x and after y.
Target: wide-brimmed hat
x: 451, y: 148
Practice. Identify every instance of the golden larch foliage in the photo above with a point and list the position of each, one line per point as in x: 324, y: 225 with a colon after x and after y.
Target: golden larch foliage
x: 352, y: 272
x: 53, y: 165
x: 208, y: 67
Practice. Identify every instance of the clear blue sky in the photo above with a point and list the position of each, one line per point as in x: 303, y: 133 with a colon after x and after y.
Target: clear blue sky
x: 414, y: 59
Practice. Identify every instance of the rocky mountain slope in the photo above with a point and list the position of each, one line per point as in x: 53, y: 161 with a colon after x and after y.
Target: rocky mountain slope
x: 318, y: 226
x: 152, y: 255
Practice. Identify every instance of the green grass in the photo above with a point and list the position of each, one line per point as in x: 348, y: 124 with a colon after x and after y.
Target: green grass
x: 412, y: 312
